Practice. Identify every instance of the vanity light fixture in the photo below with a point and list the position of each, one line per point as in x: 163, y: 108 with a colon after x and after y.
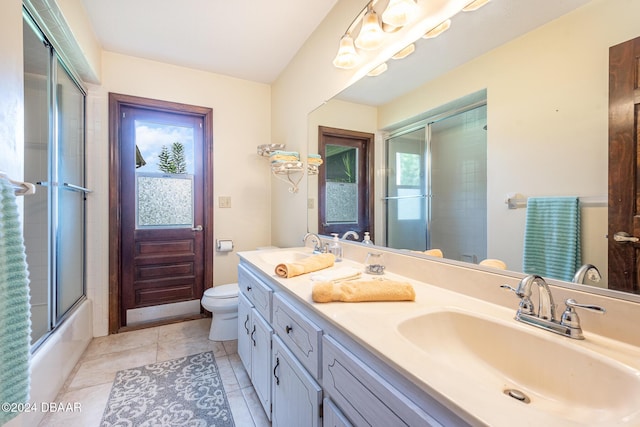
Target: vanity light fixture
x: 399, y: 12
x: 395, y: 26
x: 438, y: 29
x: 378, y: 70
x: 405, y: 52
x: 474, y: 5
x: 371, y: 34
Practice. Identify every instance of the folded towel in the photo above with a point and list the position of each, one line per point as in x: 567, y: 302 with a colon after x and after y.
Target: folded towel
x: 337, y: 275
x: 552, y: 237
x: 306, y: 265
x: 317, y: 161
x: 495, y: 263
x: 431, y: 252
x: 285, y: 153
x: 15, y: 311
x: 282, y: 159
x: 363, y: 290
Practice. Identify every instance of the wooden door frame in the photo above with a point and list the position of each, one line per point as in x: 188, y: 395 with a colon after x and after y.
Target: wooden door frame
x: 116, y: 103
x: 369, y: 139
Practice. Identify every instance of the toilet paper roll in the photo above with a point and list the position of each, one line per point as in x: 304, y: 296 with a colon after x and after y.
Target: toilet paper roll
x: 225, y: 245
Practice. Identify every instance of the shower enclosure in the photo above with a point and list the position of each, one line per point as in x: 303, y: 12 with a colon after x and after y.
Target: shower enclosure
x: 54, y: 217
x: 437, y: 185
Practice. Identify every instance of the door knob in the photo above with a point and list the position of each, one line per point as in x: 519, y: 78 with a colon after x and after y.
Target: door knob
x: 197, y: 228
x: 624, y: 237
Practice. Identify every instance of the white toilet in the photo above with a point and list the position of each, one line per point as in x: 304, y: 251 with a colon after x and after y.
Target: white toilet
x: 222, y: 302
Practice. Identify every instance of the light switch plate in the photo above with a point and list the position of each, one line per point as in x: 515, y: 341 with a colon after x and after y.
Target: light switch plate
x: 224, y: 202
x: 310, y: 203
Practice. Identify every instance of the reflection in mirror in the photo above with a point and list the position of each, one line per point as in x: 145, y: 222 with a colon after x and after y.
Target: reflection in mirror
x: 437, y: 185
x: 546, y: 132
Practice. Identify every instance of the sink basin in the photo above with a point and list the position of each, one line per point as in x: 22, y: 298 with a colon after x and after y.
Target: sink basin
x: 286, y: 256
x: 555, y: 374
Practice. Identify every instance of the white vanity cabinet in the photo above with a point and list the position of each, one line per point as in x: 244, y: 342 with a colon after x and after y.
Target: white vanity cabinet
x: 316, y: 373
x: 364, y: 396
x: 296, y: 394
x: 254, y: 334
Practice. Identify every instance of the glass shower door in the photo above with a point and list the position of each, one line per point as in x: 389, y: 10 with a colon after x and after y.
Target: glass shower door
x: 407, y: 206
x: 69, y: 193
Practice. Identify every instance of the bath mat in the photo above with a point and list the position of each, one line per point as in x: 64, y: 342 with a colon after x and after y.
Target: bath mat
x: 182, y: 392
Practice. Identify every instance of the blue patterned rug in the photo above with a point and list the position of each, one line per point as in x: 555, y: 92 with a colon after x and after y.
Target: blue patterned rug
x: 181, y: 392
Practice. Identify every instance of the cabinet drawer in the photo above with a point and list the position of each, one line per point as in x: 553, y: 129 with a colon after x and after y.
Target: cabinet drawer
x: 256, y: 291
x: 363, y: 396
x: 301, y: 336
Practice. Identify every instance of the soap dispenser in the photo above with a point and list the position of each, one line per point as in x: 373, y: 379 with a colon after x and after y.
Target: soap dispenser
x: 335, y: 247
x: 367, y: 239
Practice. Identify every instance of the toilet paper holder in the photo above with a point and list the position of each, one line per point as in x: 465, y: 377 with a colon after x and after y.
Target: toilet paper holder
x: 223, y: 245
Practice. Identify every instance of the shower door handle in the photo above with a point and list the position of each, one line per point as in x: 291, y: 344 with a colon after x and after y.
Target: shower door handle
x: 624, y: 237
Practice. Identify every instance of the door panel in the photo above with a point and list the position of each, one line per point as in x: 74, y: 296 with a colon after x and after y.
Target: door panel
x: 160, y: 207
x: 161, y: 155
x: 345, y: 181
x: 624, y: 195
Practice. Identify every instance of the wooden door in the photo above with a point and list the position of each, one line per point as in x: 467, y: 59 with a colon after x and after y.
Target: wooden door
x: 160, y: 197
x: 345, y: 182
x: 624, y: 195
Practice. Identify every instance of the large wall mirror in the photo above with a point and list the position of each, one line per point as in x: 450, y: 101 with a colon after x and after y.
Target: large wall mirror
x: 542, y: 91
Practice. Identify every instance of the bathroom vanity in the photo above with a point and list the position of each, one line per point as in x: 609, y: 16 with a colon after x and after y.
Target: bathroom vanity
x: 448, y: 358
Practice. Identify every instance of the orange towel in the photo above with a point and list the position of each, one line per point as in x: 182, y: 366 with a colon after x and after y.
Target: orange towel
x: 307, y: 265
x: 363, y: 290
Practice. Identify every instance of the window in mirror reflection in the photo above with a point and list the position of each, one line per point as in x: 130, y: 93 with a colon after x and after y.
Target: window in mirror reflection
x: 341, y: 184
x: 344, y: 181
x: 437, y: 186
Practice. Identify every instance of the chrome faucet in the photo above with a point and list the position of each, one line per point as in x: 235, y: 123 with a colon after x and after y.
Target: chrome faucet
x: 351, y: 233
x: 569, y: 324
x: 546, y: 307
x: 588, y: 271
x: 317, y: 248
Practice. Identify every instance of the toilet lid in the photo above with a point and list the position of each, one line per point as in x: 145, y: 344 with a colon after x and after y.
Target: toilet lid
x: 223, y: 291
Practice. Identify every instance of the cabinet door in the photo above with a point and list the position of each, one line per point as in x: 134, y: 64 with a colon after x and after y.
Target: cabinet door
x: 331, y: 415
x: 296, y: 395
x: 261, y: 360
x: 245, y: 326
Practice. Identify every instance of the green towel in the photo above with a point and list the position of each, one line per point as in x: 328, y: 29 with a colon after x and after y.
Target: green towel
x: 552, y: 237
x: 15, y: 312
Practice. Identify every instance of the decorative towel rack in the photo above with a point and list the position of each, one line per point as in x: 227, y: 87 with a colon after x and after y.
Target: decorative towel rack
x: 590, y: 201
x: 22, y: 188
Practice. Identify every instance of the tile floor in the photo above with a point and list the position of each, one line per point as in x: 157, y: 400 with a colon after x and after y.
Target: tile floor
x: 90, y: 381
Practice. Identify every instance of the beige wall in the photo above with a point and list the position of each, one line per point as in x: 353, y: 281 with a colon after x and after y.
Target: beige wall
x: 11, y: 90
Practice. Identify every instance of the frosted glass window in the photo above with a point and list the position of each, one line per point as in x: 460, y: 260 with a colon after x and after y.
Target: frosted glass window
x: 164, y: 200
x: 342, y: 203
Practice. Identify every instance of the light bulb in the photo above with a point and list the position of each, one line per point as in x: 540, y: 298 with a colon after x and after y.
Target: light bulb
x: 347, y: 56
x: 399, y: 12
x: 371, y: 34
x: 378, y: 70
x: 438, y: 29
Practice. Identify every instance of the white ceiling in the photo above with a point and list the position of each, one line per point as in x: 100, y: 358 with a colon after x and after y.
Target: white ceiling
x: 255, y: 40
x: 247, y: 39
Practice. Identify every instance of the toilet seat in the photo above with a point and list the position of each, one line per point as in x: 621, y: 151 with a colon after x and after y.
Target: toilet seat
x: 222, y: 292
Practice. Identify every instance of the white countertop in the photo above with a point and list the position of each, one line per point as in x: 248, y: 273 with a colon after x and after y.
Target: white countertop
x: 480, y: 402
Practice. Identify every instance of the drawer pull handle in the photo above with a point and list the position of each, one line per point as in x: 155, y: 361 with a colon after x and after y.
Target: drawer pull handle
x: 245, y: 324
x: 288, y: 329
x: 274, y: 371
x: 248, y: 288
x: 253, y: 332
